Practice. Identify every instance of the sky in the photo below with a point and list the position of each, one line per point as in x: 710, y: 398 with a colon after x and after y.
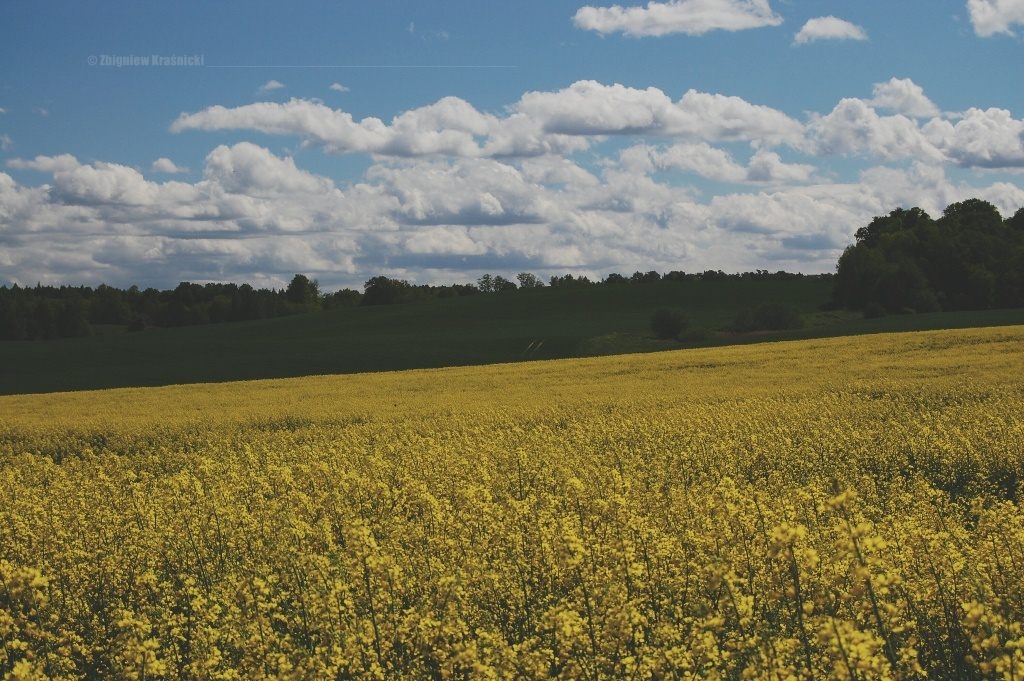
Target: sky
x: 434, y: 140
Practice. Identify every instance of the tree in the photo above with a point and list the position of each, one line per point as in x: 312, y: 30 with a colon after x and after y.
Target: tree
x: 43, y: 323
x: 527, y: 280
x: 967, y: 259
x: 1017, y: 221
x: 894, y: 222
x: 640, y: 277
x: 72, y: 318
x: 346, y: 297
x: 503, y: 285
x: 973, y: 214
x: 13, y: 324
x: 382, y: 290
x: 108, y: 306
x: 568, y: 281
x: 302, y: 290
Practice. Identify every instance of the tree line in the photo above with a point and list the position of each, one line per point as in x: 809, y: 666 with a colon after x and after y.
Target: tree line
x: 42, y: 312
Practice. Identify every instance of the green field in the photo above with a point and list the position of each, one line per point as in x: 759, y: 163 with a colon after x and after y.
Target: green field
x: 482, y: 329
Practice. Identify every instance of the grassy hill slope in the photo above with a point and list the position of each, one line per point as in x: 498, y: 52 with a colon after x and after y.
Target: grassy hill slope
x: 483, y: 329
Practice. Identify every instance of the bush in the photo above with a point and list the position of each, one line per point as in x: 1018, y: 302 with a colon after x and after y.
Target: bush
x: 874, y: 310
x: 137, y: 324
x: 668, y: 324
x: 767, y: 317
x: 744, y: 321
x: 777, y: 317
x: 696, y: 335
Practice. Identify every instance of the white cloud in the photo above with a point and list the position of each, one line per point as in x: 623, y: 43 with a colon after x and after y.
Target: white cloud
x: 3, y: 110
x: 338, y: 87
x: 690, y: 17
x: 166, y: 165
x: 828, y: 28
x: 990, y: 138
x: 991, y: 17
x: 41, y: 111
x: 45, y: 164
x: 539, y: 123
x: 854, y: 128
x: 589, y: 108
x: 764, y: 167
x: 555, y: 170
x: 464, y: 192
x: 109, y: 184
x: 903, y: 96
x: 6, y: 142
x: 446, y: 127
x: 251, y: 170
x: 270, y: 86
x: 768, y: 167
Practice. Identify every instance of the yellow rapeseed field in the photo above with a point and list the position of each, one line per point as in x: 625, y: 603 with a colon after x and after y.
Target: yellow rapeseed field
x: 845, y: 508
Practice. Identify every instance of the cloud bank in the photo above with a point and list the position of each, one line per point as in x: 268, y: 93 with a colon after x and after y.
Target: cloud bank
x: 590, y: 178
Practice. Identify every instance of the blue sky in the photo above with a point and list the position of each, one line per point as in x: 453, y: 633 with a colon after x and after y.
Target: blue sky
x: 687, y: 134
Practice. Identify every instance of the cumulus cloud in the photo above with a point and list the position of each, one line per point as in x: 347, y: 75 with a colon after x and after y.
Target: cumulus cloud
x: 247, y: 168
x: 854, y: 128
x: 702, y: 159
x: 166, y: 165
x: 539, y: 123
x: 978, y: 138
x: 45, y: 164
x: 592, y: 108
x: 690, y: 17
x: 903, y: 96
x: 992, y: 17
x: 445, y: 127
x: 828, y: 28
x: 338, y: 87
x: 769, y: 168
x: 465, y: 192
x: 270, y: 86
x: 990, y: 138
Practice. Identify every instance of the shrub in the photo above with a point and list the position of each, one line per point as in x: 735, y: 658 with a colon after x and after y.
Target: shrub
x: 668, y: 324
x: 695, y: 335
x: 777, y: 317
x: 874, y: 310
x: 767, y: 317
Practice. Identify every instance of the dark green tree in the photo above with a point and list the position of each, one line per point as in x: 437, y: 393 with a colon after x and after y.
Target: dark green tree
x: 905, y: 261
x: 303, y: 291
x: 528, y: 280
x: 382, y: 290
